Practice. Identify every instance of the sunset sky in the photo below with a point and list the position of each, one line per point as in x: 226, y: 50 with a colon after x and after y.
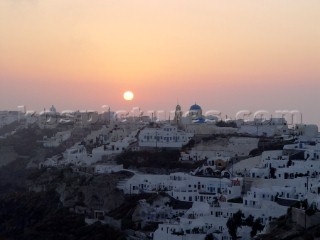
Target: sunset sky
x: 224, y: 55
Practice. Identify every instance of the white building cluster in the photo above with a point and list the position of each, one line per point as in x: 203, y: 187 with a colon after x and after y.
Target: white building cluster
x: 104, y: 142
x: 57, y: 139
x: 185, y: 187
x: 8, y: 117
x: 204, y: 219
x: 210, y: 210
x: 282, y: 178
x: 167, y: 136
x: 265, y: 191
x: 263, y: 127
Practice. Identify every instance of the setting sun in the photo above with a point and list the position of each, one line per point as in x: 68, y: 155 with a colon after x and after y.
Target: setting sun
x: 128, y: 95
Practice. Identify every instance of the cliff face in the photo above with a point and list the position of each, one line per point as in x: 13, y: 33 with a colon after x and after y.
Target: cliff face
x: 286, y: 227
x: 35, y: 203
x: 7, y: 155
x: 93, y: 192
x: 20, y: 154
x: 38, y: 216
x: 97, y: 192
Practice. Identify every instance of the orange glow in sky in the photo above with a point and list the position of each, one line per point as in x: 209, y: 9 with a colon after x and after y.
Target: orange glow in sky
x: 225, y: 55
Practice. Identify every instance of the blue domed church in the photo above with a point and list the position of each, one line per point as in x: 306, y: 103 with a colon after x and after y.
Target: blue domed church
x: 195, y: 112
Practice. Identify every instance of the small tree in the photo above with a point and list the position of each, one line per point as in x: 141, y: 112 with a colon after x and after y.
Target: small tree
x: 249, y: 221
x: 234, y: 223
x: 257, y: 226
x: 237, y: 220
x: 209, y: 237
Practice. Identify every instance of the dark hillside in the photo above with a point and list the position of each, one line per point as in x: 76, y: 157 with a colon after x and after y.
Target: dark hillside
x: 38, y: 216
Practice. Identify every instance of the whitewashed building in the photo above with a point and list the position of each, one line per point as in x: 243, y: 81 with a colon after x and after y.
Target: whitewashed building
x: 78, y: 154
x: 295, y: 160
x: 203, y: 219
x: 184, y: 187
x: 262, y: 127
x: 56, y: 140
x: 165, y: 137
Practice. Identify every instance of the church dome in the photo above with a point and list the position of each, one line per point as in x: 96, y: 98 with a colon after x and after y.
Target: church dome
x: 195, y: 107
